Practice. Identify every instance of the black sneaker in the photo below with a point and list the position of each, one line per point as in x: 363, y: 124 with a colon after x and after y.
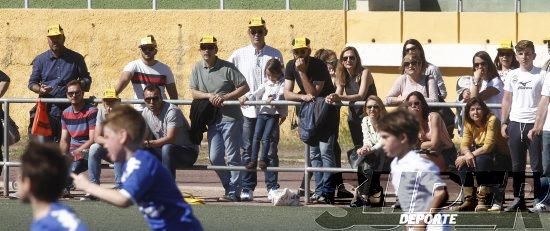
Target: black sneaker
x: 343, y: 193
x: 359, y: 202
x: 326, y: 199
x: 229, y: 198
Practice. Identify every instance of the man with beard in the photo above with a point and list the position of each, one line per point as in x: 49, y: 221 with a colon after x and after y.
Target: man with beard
x: 148, y: 71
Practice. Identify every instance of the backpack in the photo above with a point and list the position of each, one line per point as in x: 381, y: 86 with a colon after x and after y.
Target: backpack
x: 312, y: 116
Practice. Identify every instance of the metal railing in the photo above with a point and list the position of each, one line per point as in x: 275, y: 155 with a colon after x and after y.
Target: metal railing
x: 346, y: 4
x: 6, y: 163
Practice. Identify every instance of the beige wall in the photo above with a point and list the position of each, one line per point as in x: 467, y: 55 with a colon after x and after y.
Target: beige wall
x: 108, y: 40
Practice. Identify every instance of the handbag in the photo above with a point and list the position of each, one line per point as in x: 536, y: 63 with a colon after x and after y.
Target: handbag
x: 13, y: 130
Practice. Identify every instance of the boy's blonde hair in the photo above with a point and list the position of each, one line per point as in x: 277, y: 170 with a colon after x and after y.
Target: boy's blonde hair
x: 127, y: 118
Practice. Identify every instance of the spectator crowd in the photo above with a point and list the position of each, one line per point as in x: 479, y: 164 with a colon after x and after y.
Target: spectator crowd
x: 494, y: 142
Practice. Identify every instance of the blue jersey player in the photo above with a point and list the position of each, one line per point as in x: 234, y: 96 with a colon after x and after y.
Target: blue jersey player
x: 145, y: 181
x: 43, y: 178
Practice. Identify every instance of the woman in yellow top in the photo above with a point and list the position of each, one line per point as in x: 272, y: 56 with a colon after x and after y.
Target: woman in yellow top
x: 483, y: 151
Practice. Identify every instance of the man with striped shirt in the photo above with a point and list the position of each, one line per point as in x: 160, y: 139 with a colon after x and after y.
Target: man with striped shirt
x: 77, y: 128
x: 148, y: 71
x: 251, y: 61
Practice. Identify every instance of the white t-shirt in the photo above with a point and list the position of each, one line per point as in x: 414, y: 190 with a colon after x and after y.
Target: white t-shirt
x: 252, y: 66
x: 499, y: 85
x: 415, y: 179
x: 143, y: 75
x: 525, y: 88
x: 546, y: 92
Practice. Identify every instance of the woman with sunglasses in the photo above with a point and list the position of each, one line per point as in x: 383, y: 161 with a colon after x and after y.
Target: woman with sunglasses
x: 505, y: 60
x: 413, y: 79
x: 357, y: 83
x: 486, y: 83
x: 412, y: 46
x: 372, y: 159
x: 484, y: 151
x: 434, y: 140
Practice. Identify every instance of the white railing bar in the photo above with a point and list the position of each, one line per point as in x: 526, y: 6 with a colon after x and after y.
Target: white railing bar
x: 287, y: 4
x: 26, y: 4
x: 221, y: 5
x: 89, y: 4
x: 154, y: 4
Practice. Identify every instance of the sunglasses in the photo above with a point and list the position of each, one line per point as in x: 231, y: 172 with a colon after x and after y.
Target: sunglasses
x: 506, y: 54
x: 257, y: 31
x: 416, y: 104
x: 348, y: 58
x: 148, y: 48
x: 373, y: 107
x: 480, y: 64
x: 406, y: 64
x: 300, y: 52
x: 152, y: 99
x: 410, y: 49
x: 208, y: 47
x: 72, y: 93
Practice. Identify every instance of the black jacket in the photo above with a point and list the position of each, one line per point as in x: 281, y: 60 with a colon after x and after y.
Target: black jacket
x: 202, y: 114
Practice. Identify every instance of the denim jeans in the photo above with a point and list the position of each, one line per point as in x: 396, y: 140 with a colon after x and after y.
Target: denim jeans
x: 262, y: 133
x: 77, y: 167
x: 250, y: 179
x: 96, y: 154
x: 519, y: 143
x: 545, y: 179
x: 483, y: 171
x: 173, y: 156
x: 322, y: 155
x: 224, y: 139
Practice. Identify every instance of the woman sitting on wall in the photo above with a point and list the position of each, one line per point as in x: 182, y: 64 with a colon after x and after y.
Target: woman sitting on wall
x: 372, y: 159
x: 434, y: 140
x: 412, y: 46
x: 484, y: 151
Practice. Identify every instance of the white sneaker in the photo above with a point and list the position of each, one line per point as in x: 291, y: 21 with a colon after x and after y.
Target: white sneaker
x: 247, y: 196
x: 271, y: 194
x: 539, y: 208
x: 495, y: 208
x: 14, y: 195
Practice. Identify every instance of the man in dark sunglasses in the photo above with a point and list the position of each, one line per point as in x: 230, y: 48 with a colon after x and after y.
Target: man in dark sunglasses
x: 251, y: 61
x: 169, y: 132
x: 77, y: 129
x: 147, y: 70
x: 51, y: 71
x: 217, y: 80
x: 312, y: 77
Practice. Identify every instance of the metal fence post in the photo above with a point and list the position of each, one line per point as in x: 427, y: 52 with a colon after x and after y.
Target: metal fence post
x: 306, y: 174
x: 459, y: 6
x: 287, y: 4
x: 6, y: 158
x: 26, y: 3
x: 346, y: 5
x: 518, y: 6
x: 154, y: 4
x: 221, y: 4
x: 89, y: 4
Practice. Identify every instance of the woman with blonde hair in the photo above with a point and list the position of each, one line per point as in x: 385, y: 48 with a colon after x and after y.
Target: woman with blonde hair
x: 371, y: 157
x: 413, y: 79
